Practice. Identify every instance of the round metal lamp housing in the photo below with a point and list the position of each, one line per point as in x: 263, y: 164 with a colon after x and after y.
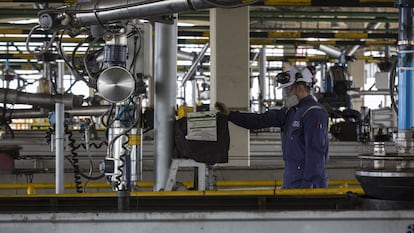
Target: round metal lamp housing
x: 116, y: 84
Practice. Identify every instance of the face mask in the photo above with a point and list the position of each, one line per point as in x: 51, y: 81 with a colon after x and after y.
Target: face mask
x: 290, y: 99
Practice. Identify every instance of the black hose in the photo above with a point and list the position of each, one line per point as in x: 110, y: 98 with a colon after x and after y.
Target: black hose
x: 97, y: 146
x: 392, y: 83
x: 75, y: 162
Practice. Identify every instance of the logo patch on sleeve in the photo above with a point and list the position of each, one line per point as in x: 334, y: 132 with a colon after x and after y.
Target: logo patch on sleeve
x: 296, y: 124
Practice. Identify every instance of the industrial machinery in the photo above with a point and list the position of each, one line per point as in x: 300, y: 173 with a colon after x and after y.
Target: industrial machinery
x: 114, y: 65
x: 391, y: 175
x: 119, y: 71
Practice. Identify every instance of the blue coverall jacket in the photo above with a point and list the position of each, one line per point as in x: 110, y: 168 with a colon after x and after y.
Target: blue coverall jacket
x: 304, y: 130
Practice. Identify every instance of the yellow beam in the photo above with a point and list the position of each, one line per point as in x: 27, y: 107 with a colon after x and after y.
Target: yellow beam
x: 261, y: 192
x: 335, y: 186
x: 287, y: 2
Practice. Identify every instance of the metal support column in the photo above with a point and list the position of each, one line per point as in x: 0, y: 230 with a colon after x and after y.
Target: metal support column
x: 262, y: 80
x: 60, y: 132
x: 165, y: 99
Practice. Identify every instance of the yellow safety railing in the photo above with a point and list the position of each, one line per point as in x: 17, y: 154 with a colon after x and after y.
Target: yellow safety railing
x: 241, y: 187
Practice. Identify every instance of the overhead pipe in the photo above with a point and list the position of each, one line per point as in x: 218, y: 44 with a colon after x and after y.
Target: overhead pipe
x: 181, y: 55
x: 10, y: 96
x: 107, y: 11
x: 371, y: 26
x: 330, y: 50
x: 336, y: 53
x: 295, y: 3
x: 254, y: 14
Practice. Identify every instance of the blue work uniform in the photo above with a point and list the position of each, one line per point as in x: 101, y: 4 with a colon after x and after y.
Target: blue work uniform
x: 304, y: 130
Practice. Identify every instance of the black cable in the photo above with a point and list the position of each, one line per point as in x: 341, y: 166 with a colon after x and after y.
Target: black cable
x: 121, y: 167
x: 136, y: 49
x: 92, y: 76
x: 97, y: 146
x: 75, y: 72
x: 75, y: 50
x: 109, y: 122
x: 92, y: 177
x: 52, y: 80
x: 75, y: 162
x: 392, y: 83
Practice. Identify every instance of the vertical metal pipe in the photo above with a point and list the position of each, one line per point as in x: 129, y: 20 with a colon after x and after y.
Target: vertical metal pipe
x: 262, y: 79
x: 165, y: 99
x: 194, y: 93
x: 60, y: 132
x: 136, y: 145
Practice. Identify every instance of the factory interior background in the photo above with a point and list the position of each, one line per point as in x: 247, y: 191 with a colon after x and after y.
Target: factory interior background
x: 101, y: 104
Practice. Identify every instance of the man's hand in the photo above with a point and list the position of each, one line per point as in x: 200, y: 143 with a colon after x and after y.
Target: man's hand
x: 221, y: 107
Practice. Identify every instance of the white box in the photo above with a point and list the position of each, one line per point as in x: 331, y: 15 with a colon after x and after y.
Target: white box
x: 382, y: 80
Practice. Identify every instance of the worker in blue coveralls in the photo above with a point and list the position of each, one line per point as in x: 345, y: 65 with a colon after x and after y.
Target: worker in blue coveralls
x: 304, y: 128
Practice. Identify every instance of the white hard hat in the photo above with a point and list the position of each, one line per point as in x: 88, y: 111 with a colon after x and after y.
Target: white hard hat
x: 293, y: 75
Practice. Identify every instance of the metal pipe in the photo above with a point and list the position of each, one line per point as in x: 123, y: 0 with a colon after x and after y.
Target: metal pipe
x: 106, y: 11
x: 330, y: 50
x: 193, y: 67
x: 165, y: 99
x: 351, y: 51
x: 185, y: 56
x: 194, y: 93
x: 39, y: 99
x: 262, y: 79
x: 60, y: 132
x: 80, y: 111
x: 135, y: 141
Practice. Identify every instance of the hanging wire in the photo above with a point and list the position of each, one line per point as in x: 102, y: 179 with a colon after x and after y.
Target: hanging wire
x: 85, y: 62
x: 72, y: 68
x: 137, y: 49
x: 47, y: 46
x: 393, y: 75
x: 75, y: 162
